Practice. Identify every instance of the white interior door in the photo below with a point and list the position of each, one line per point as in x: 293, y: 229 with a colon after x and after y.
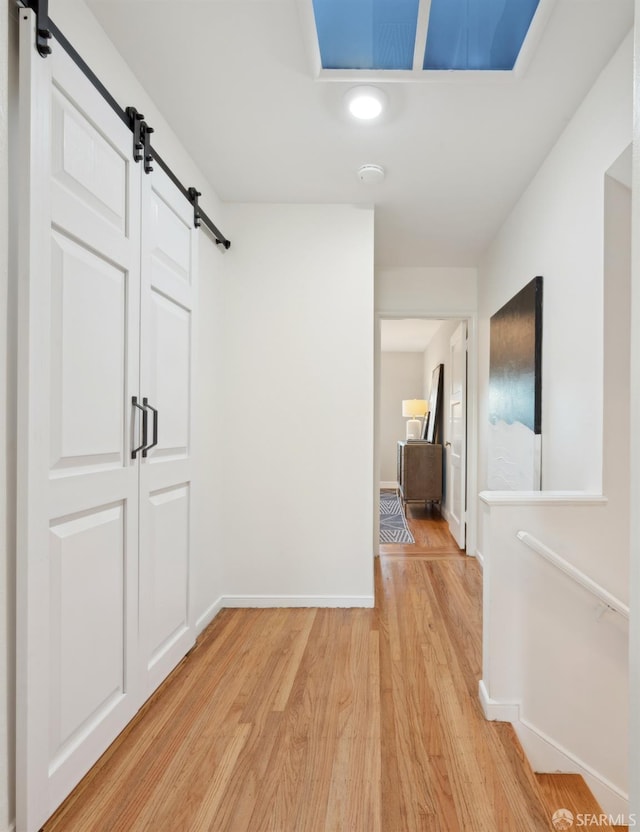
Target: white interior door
x: 169, y: 242
x: 456, y: 446
x: 78, y: 487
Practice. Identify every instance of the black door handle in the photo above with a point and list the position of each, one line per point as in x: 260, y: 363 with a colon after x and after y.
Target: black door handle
x: 143, y: 408
x: 146, y: 404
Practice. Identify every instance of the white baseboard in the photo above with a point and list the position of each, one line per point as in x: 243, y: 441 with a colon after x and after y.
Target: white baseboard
x: 276, y: 601
x: 297, y: 601
x: 480, y: 558
x: 208, y: 615
x: 495, y: 711
x: 547, y: 756
x: 389, y: 484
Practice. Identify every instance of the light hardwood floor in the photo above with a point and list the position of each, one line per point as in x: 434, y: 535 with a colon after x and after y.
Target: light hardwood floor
x: 430, y: 532
x: 319, y: 720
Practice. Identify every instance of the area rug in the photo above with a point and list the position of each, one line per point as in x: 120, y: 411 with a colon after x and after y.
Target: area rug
x: 393, y: 525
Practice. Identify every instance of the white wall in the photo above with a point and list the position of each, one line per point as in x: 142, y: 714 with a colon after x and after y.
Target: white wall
x: 438, y: 352
x: 400, y: 378
x: 426, y: 292
x: 617, y: 354
x: 298, y: 459
x: 7, y: 426
x: 634, y: 455
x: 572, y: 225
x: 556, y: 230
x: 550, y: 664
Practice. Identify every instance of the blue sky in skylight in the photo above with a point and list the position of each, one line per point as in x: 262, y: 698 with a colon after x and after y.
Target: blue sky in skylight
x: 366, y: 34
x: 477, y: 34
x: 462, y: 34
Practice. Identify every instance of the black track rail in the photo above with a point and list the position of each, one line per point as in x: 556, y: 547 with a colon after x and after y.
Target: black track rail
x: 47, y: 29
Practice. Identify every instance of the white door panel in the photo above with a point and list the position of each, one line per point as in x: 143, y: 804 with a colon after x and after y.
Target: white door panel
x: 171, y: 237
x: 99, y: 488
x: 168, y: 577
x: 84, y: 163
x: 77, y: 658
x: 168, y: 476
x: 168, y: 292
x: 86, y: 619
x: 89, y: 345
x: 457, y: 432
x: 166, y: 277
x: 169, y: 379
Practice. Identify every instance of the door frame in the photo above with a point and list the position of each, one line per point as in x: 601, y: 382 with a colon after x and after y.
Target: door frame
x: 447, y: 505
x: 471, y: 319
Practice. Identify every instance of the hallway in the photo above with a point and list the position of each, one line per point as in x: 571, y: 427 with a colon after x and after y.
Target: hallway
x: 430, y: 532
x: 311, y: 720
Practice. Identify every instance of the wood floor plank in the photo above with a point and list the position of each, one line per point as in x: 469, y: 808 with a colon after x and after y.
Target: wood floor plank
x: 285, y: 683
x: 297, y: 770
x: 569, y: 791
x: 209, y: 806
x: 324, y: 720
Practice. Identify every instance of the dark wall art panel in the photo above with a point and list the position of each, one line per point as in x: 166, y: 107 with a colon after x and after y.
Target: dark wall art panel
x: 515, y: 392
x: 433, y: 423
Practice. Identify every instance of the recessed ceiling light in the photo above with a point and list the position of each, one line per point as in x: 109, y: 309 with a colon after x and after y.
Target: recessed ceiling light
x: 365, y: 103
x: 371, y: 174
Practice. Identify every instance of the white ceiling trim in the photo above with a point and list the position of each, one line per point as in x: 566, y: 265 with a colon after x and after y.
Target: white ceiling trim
x: 422, y: 27
x: 534, y: 36
x: 310, y: 36
x: 418, y: 74
x: 421, y: 76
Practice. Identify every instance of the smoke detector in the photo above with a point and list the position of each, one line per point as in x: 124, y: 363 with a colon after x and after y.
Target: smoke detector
x: 371, y: 174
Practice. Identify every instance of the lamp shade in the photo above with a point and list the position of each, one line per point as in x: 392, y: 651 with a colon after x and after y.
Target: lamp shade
x: 412, y: 408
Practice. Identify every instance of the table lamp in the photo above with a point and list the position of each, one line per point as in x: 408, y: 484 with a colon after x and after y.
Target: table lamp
x: 414, y: 410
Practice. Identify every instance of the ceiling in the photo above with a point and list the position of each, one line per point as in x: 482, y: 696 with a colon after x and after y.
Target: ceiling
x: 238, y: 81
x: 407, y: 334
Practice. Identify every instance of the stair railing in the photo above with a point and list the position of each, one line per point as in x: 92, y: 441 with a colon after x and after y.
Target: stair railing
x: 609, y: 601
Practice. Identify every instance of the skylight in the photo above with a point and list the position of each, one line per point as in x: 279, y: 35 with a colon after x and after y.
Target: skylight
x: 477, y: 34
x: 366, y: 34
x: 461, y: 34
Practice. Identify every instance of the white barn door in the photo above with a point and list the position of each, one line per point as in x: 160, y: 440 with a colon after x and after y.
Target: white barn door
x: 78, y: 486
x: 167, y: 338
x: 107, y: 292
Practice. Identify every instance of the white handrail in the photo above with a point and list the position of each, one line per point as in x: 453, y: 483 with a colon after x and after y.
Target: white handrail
x: 579, y: 577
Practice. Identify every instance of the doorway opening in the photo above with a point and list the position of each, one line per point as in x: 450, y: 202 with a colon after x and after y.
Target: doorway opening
x: 412, y: 353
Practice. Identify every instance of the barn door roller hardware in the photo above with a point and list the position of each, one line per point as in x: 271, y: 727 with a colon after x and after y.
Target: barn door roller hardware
x: 141, y: 143
x: 196, y: 208
x: 43, y: 34
x: 142, y: 148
